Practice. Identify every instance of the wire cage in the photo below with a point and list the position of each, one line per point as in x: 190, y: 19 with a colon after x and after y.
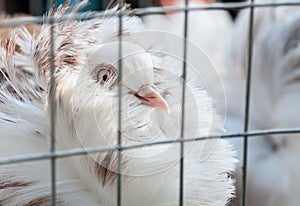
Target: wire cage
x: 246, y: 133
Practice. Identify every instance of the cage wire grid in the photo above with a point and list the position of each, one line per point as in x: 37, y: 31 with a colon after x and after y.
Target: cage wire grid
x: 53, y: 154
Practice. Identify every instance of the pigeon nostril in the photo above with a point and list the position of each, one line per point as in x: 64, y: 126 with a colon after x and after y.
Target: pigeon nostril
x: 143, y: 99
x: 150, y: 96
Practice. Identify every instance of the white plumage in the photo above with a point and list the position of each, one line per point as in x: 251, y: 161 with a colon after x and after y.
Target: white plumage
x: 86, y: 96
x: 273, y: 160
x: 281, y: 152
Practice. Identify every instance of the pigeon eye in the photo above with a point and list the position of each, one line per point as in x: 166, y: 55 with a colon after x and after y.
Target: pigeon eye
x: 106, y: 74
x: 103, y: 75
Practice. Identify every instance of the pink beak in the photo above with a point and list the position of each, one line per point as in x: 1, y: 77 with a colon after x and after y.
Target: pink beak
x: 150, y: 96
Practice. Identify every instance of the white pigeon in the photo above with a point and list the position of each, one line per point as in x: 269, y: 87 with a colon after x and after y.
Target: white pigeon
x: 86, y: 100
x: 276, y: 66
x: 273, y: 160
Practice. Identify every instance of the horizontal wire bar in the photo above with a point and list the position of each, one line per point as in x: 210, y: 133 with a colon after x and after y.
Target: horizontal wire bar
x: 82, y: 151
x: 140, y: 11
x: 212, y: 6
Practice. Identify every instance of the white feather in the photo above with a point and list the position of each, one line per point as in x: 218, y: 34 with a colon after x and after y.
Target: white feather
x: 273, y: 160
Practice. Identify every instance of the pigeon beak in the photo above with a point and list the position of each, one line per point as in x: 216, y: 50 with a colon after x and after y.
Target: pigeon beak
x: 150, y: 96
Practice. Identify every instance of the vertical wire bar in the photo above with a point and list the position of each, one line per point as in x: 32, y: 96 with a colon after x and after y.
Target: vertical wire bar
x: 119, y: 181
x: 181, y: 169
x: 247, y: 104
x: 52, y: 112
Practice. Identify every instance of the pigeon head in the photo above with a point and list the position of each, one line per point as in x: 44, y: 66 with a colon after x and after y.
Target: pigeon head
x: 137, y: 72
x: 88, y: 77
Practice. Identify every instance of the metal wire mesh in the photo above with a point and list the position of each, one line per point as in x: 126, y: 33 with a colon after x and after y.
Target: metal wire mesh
x: 119, y: 182
x: 247, y: 106
x: 53, y: 155
x: 184, y: 74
